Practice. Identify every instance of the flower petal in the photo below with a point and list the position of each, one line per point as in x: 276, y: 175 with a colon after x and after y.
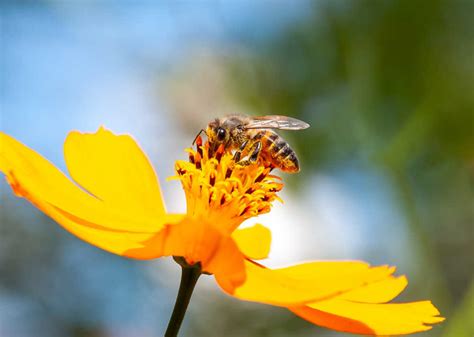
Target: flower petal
x: 198, y: 241
x: 33, y: 177
x: 114, y: 169
x: 254, y: 242
x: 305, y: 283
x: 116, y: 242
x: 227, y: 264
x: 378, y: 292
x: 371, y: 319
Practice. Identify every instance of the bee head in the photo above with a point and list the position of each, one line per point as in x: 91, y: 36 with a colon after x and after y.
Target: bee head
x: 217, y: 133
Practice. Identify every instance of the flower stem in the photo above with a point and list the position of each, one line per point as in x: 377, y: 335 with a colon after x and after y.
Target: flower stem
x: 189, y: 277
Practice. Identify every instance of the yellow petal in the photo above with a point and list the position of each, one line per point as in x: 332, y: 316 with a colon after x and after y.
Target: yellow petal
x: 198, y: 241
x: 114, y: 169
x: 30, y: 174
x: 254, y: 242
x: 371, y: 319
x: 378, y: 292
x: 305, y: 283
x: 114, y: 241
x: 227, y: 264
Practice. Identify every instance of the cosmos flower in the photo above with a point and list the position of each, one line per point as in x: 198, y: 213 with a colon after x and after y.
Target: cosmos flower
x: 114, y: 202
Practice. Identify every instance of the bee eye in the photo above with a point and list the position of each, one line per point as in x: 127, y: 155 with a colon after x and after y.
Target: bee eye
x: 220, y: 134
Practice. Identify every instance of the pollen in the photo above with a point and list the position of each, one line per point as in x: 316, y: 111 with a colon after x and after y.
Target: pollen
x: 217, y: 188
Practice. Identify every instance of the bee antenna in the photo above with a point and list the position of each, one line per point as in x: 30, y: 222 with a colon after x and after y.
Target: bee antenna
x: 199, y: 133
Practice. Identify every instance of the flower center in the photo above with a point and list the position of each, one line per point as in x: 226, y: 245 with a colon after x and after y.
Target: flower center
x: 223, y: 191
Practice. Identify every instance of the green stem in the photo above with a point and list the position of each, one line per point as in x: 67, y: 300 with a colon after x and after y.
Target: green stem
x: 189, y: 277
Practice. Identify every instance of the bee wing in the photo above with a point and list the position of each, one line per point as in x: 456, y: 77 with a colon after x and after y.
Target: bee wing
x: 276, y: 122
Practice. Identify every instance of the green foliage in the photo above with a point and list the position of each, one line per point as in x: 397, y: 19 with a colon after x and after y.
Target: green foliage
x: 387, y: 84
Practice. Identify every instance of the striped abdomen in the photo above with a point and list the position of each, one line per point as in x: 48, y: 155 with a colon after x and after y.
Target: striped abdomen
x: 276, y: 150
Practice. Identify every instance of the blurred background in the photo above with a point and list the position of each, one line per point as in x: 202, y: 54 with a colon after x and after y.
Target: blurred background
x: 387, y: 165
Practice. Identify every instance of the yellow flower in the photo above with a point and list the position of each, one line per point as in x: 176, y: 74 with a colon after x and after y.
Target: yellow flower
x: 114, y: 202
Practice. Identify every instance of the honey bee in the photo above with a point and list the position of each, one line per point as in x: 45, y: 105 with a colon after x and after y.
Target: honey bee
x: 252, y: 139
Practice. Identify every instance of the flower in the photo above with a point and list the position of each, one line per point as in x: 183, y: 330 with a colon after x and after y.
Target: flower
x: 114, y: 202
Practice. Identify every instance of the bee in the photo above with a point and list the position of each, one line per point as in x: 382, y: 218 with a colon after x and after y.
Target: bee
x: 253, y: 138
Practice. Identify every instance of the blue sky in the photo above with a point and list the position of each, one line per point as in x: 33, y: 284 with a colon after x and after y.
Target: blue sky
x: 77, y: 65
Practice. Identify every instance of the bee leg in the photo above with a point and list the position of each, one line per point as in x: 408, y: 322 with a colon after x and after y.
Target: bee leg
x: 200, y: 132
x: 256, y: 152
x: 256, y: 148
x: 238, y: 153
